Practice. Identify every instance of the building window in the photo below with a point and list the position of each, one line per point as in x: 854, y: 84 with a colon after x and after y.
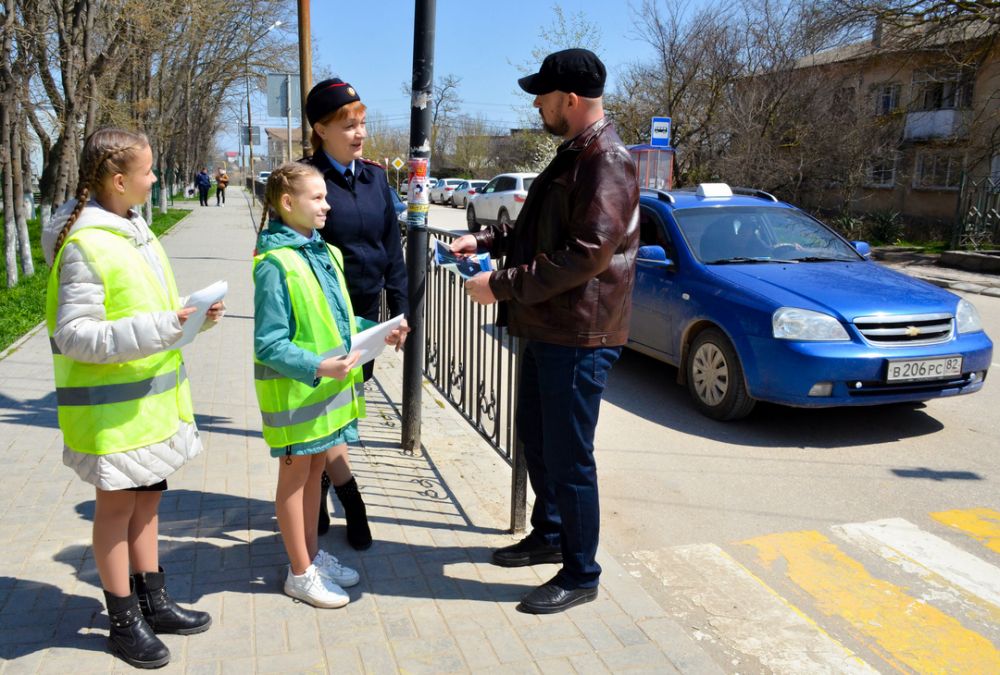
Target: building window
x: 947, y: 89
x: 937, y: 171
x: 881, y: 172
x: 887, y: 98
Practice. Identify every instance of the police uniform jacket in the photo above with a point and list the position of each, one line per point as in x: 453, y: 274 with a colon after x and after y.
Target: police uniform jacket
x: 362, y: 224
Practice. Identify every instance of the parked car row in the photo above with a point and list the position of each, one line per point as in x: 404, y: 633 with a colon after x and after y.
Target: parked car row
x: 495, y: 202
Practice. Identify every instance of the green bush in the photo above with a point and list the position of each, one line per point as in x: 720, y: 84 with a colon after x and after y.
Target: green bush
x: 23, y: 306
x: 885, y: 227
x: 849, y: 226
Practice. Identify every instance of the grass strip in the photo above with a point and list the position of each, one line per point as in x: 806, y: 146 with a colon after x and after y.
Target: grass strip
x: 23, y: 306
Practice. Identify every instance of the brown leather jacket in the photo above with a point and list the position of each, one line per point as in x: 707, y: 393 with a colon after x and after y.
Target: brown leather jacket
x: 570, y: 257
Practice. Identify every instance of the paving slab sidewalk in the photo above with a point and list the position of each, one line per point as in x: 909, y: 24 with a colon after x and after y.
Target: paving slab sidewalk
x: 429, y: 601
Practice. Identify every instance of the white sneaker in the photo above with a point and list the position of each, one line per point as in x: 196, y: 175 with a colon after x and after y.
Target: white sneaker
x: 331, y: 568
x: 315, y: 589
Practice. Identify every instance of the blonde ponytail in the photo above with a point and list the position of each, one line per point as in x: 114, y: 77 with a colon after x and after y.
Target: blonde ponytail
x: 105, y: 153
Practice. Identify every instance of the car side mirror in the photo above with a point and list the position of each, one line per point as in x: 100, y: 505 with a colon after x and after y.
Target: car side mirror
x: 863, y: 248
x: 653, y: 256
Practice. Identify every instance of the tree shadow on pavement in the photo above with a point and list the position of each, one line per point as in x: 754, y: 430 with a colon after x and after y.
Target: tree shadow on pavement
x: 35, y: 616
x: 213, y: 543
x: 30, y: 412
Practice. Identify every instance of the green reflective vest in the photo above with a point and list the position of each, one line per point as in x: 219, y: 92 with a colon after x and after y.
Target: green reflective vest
x: 293, y: 412
x: 116, y: 407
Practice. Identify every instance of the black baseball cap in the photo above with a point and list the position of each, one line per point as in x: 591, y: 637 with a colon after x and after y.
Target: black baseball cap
x: 576, y: 71
x: 327, y: 96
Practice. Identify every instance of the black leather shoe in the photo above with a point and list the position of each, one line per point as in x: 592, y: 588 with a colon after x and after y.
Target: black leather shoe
x: 550, y: 598
x: 528, y: 551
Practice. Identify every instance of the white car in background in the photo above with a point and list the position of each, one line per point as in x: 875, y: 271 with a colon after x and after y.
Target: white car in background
x: 499, y: 203
x: 465, y: 191
x: 442, y: 190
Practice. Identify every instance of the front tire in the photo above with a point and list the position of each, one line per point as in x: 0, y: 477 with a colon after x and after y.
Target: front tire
x: 715, y: 377
x: 470, y: 219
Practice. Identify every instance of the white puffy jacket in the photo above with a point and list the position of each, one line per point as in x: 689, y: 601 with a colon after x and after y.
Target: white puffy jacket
x: 83, y: 333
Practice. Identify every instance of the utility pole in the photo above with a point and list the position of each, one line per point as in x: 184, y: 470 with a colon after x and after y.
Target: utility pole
x: 305, y: 71
x: 416, y: 227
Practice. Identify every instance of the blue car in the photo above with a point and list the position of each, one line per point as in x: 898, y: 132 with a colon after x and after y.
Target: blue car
x: 754, y: 300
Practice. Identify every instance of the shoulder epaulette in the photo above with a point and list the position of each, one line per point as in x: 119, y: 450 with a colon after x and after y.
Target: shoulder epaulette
x: 372, y: 163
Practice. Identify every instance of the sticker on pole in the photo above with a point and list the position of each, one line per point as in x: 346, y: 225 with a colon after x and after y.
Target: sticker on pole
x: 417, y: 202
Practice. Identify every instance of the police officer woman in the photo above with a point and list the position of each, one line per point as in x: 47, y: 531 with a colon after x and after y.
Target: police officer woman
x: 362, y: 224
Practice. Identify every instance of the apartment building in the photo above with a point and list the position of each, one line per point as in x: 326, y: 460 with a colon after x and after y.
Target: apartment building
x: 930, y: 106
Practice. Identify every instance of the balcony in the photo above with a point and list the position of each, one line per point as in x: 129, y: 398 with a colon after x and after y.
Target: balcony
x: 925, y: 125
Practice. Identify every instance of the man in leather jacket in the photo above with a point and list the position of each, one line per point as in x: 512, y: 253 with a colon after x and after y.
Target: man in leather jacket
x: 565, y: 290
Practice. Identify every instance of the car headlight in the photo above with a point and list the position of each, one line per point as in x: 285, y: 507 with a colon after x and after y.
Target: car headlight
x: 792, y: 323
x: 967, y: 318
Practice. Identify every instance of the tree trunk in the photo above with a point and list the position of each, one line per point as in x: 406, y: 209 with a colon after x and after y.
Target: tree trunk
x: 10, y: 219
x: 20, y: 190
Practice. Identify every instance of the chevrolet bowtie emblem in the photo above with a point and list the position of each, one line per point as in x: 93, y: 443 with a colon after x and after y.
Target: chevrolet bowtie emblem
x: 912, y: 331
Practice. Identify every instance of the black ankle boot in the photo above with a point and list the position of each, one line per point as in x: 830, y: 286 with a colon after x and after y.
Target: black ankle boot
x: 161, y: 612
x: 131, y: 638
x: 359, y: 536
x: 324, y: 513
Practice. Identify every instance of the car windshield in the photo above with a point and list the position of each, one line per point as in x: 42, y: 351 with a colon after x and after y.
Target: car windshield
x: 528, y: 182
x: 760, y: 234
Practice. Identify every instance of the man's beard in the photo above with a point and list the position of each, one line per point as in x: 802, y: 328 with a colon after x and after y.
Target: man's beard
x: 558, y: 127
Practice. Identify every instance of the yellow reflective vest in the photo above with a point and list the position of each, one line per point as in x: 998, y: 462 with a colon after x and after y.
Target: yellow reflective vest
x: 115, y: 407
x: 293, y: 412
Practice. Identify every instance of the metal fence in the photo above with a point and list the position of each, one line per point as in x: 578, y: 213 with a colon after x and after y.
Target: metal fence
x: 467, y: 358
x: 978, y: 222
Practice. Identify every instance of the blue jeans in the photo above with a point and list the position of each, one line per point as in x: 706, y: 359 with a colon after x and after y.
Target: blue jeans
x: 558, y: 401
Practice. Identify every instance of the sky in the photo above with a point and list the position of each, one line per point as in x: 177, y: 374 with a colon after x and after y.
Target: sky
x: 370, y: 45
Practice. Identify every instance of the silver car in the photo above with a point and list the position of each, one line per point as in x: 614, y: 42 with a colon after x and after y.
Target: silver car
x: 441, y: 191
x: 465, y: 191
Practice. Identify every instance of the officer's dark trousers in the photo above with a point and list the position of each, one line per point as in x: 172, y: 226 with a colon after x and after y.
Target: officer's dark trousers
x: 558, y: 400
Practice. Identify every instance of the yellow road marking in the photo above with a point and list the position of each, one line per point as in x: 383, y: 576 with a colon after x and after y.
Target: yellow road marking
x: 905, y: 631
x: 981, y: 524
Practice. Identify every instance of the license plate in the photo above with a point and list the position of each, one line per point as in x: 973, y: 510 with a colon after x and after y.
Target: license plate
x: 914, y: 370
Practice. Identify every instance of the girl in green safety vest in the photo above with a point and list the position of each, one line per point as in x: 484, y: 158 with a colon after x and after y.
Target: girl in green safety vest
x: 309, y: 384
x: 124, y: 402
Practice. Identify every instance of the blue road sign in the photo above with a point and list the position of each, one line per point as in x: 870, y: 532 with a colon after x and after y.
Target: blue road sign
x: 659, y: 133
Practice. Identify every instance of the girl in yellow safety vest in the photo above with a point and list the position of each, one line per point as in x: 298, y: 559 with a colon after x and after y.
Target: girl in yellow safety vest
x: 309, y: 384
x: 112, y: 313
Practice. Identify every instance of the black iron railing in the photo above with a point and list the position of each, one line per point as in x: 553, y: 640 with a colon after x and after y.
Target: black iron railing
x: 467, y: 358
x: 978, y: 221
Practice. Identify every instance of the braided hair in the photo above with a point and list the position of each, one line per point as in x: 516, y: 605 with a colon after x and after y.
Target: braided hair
x: 106, y: 152
x: 283, y: 181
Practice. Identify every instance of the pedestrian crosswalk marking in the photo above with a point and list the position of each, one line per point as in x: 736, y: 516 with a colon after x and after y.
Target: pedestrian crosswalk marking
x: 981, y: 524
x: 903, y: 543
x: 747, y: 613
x: 905, y: 630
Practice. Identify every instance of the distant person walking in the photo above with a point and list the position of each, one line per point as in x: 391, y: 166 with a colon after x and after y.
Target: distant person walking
x: 361, y: 223
x: 203, y: 182
x: 125, y: 411
x: 566, y: 291
x: 221, y: 183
